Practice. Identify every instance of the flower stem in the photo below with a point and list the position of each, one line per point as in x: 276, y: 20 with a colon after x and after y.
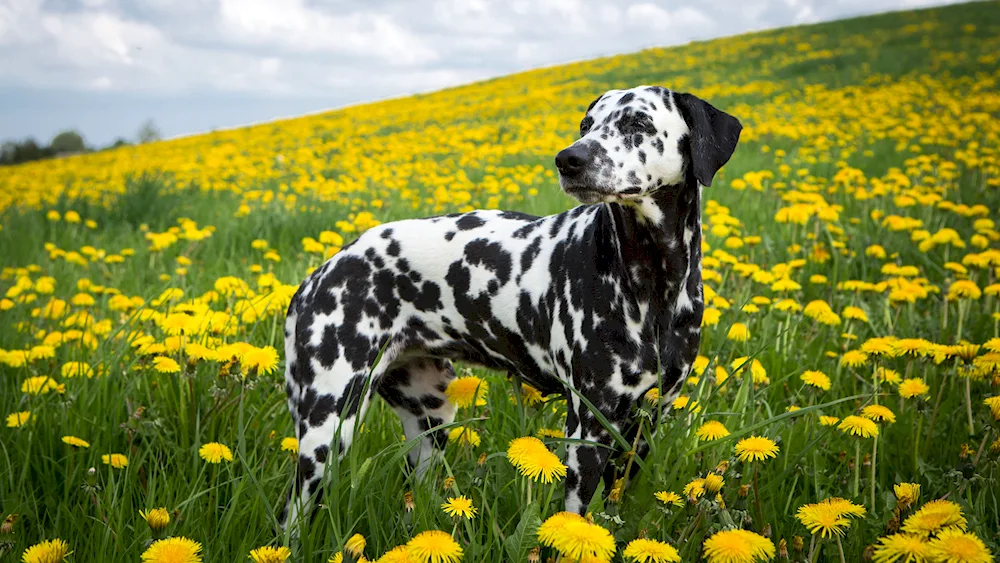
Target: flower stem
x: 840, y: 548
x: 874, y: 455
x: 968, y: 403
x: 756, y: 499
x: 857, y: 468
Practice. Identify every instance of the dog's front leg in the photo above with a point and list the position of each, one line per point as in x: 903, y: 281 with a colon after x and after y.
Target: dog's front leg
x: 584, y: 462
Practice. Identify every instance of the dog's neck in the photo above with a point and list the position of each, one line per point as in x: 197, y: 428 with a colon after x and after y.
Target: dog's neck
x: 659, y: 241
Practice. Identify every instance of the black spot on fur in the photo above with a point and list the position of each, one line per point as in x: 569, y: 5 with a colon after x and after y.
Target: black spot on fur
x: 469, y: 222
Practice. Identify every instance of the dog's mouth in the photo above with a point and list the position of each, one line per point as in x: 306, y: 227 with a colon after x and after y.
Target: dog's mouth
x: 589, y: 193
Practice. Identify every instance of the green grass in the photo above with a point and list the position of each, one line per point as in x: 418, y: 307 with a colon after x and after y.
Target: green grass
x: 161, y: 420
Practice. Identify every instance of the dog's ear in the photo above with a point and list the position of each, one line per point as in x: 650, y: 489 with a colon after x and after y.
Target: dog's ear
x: 713, y: 136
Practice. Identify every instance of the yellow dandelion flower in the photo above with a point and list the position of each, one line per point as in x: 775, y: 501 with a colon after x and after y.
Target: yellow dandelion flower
x: 118, y: 461
x: 827, y: 517
x: 886, y: 375
x: 740, y: 365
x: 786, y: 284
x: 855, y: 313
x: 955, y: 546
x: 738, y: 546
x: 214, y: 452
x: 695, y: 489
x: 964, y: 289
x: 714, y: 483
x: 756, y: 448
x: 75, y: 442
x: 854, y: 358
x: 858, y: 426
x: 878, y: 413
x: 269, y: 554
x: 828, y: 420
x: 907, y: 493
x: 533, y: 460
x: 933, y: 517
x: 738, y: 332
x: 460, y: 507
x: 530, y: 395
x: 650, y: 551
x: 434, y: 546
x: 668, y: 498
x: 994, y: 404
x: 788, y: 305
x: 576, y: 538
x: 652, y: 397
x: 817, y: 379
x: 289, y: 444
x: 76, y: 369
x: 41, y: 385
x: 913, y: 387
x: 464, y: 436
x: 262, y: 360
x: 156, y: 518
x: 466, y: 391
x: 17, y: 419
x: 399, y: 554
x: 901, y: 548
x: 47, y: 551
x: 356, y: 545
x: 173, y: 550
x: 710, y: 317
x: 711, y: 430
x: 818, y: 518
x: 164, y: 364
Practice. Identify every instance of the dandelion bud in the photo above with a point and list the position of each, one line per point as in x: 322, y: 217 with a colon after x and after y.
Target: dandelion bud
x: 797, y: 543
x: 534, y: 555
x: 743, y: 491
x: 355, y: 547
x: 653, y: 396
x: 91, y: 477
x: 449, y: 483
x: 766, y: 532
x: 783, y: 549
x: 868, y: 554
x: 616, y: 491
x: 713, y: 483
x: 157, y: 519
x: 722, y: 467
x: 408, y: 501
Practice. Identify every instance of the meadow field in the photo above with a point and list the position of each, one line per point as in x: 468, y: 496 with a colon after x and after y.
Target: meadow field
x: 844, y: 407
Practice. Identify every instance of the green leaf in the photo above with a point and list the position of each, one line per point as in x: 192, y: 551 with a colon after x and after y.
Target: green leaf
x: 523, y: 539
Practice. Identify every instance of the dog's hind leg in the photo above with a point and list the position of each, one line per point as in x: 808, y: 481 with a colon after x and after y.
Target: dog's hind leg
x: 416, y: 391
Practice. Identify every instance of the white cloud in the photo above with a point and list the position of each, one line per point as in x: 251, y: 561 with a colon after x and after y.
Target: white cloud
x: 343, y: 51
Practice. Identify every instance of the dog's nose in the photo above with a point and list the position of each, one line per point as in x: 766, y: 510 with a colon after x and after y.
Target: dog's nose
x: 571, y: 161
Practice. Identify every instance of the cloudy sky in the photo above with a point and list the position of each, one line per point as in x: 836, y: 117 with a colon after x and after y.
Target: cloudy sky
x: 105, y: 66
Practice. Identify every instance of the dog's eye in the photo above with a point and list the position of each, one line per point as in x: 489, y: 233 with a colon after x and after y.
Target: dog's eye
x: 586, y: 124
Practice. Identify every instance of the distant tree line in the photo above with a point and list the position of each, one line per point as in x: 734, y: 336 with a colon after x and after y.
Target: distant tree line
x: 66, y: 143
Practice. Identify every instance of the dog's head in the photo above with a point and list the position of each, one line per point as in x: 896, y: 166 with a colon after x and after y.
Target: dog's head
x: 634, y: 142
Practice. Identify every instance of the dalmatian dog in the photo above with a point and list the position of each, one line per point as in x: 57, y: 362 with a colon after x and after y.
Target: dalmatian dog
x: 602, y: 301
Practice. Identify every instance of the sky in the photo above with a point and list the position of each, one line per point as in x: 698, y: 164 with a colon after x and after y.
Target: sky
x: 103, y: 67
